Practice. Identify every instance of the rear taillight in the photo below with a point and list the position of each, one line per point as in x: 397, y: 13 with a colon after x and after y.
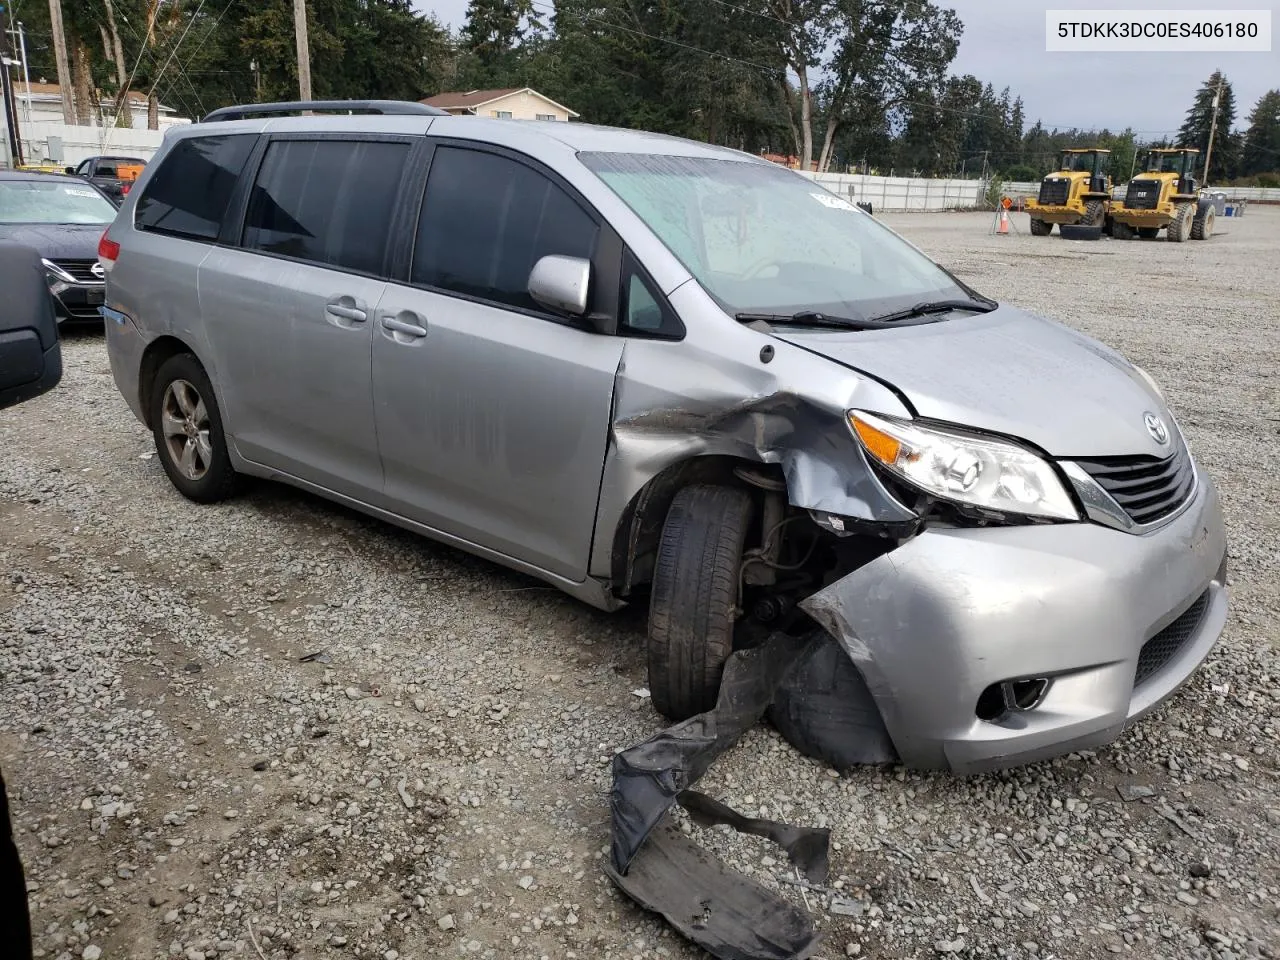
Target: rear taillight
x: 124, y: 189
x: 108, y: 251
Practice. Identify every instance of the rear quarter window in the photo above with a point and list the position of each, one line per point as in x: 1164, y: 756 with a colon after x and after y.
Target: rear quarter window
x: 190, y: 192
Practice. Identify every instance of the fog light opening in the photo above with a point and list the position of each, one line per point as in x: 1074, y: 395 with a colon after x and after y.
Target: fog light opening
x: 1011, y: 696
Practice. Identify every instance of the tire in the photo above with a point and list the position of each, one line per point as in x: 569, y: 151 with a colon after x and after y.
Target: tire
x: 1202, y: 226
x: 1148, y: 233
x: 1121, y: 231
x: 1094, y: 213
x: 1180, y: 226
x: 693, y: 604
x: 1040, y: 229
x: 187, y: 427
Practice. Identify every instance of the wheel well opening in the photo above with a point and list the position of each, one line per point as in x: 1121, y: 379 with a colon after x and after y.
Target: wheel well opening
x: 157, y: 352
x: 789, y: 554
x: 635, y: 541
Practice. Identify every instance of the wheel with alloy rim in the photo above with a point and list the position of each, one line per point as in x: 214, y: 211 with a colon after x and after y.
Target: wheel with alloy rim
x: 187, y: 426
x: 184, y: 418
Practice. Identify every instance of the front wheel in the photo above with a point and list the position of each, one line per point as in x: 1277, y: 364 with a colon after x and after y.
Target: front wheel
x: 1040, y: 228
x: 1121, y: 231
x: 1179, y: 228
x: 1094, y: 213
x: 693, y: 606
x: 187, y: 427
x: 1202, y: 226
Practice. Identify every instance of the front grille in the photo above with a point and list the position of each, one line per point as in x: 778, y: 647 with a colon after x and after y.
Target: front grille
x: 1055, y: 191
x: 1147, y: 488
x: 1161, y: 648
x: 82, y: 270
x: 1143, y: 195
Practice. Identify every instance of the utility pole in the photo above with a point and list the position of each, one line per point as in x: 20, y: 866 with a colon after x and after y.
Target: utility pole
x: 26, y: 73
x: 60, y: 56
x: 1213, y: 128
x: 304, y: 49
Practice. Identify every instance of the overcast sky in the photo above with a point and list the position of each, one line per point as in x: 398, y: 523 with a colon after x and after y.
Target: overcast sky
x: 1004, y: 44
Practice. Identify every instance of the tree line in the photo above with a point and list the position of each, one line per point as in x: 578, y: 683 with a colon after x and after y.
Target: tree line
x: 834, y: 84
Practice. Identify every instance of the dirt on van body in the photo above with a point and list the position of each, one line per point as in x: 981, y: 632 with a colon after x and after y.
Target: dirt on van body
x: 276, y: 728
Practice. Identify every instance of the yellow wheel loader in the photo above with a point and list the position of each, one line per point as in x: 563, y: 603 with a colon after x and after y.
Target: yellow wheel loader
x: 1078, y: 193
x: 1164, y: 197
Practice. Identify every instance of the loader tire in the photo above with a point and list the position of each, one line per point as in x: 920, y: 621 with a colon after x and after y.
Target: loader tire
x: 1040, y: 229
x: 1094, y: 213
x: 1180, y: 227
x: 693, y: 606
x: 1202, y: 226
x: 1121, y: 231
x: 1148, y: 233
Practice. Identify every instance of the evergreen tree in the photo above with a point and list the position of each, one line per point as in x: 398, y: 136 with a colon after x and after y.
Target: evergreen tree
x: 1261, y: 150
x: 1195, y: 129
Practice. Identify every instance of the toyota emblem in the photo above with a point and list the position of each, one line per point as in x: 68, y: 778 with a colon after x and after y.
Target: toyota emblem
x: 97, y: 271
x: 1155, y: 426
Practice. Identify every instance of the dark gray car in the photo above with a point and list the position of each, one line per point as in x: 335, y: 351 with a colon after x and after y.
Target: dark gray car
x: 63, y: 218
x: 640, y: 367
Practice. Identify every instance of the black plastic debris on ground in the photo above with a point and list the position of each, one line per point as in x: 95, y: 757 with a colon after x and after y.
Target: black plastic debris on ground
x: 724, y: 912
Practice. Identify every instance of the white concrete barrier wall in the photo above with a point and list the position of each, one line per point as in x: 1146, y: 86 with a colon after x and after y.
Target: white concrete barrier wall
x: 81, y: 142
x: 902, y: 193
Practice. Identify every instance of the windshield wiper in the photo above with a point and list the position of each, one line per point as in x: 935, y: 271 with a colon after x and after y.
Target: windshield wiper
x: 806, y: 318
x: 938, y: 306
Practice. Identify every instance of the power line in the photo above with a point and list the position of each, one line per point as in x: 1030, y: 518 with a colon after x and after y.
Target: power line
x: 169, y: 93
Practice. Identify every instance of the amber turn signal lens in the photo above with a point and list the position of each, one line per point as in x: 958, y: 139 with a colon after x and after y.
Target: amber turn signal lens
x: 880, y: 445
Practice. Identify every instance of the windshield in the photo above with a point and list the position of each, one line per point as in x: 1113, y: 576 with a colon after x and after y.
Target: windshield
x: 1165, y: 163
x: 53, y: 201
x: 1077, y: 161
x: 762, y: 239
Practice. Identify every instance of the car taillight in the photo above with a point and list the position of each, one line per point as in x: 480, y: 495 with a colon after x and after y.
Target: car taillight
x: 108, y: 251
x: 124, y: 189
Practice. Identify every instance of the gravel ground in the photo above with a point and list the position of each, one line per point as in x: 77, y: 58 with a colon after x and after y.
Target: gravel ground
x: 434, y: 782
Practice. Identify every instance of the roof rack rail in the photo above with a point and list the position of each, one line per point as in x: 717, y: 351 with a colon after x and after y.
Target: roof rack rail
x: 398, y: 107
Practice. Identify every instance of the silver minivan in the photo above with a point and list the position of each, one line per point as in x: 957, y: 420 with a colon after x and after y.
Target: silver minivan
x: 644, y: 368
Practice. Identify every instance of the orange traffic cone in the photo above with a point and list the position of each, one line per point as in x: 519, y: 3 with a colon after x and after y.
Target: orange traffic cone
x: 1003, y: 229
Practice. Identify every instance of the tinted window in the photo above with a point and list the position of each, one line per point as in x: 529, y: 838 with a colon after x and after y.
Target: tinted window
x: 644, y: 312
x: 190, y: 193
x: 487, y: 220
x: 327, y: 201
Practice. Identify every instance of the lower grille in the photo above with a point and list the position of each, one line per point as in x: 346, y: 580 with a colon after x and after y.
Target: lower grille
x: 1143, y: 195
x: 1148, y: 489
x: 1055, y: 191
x: 1161, y: 648
x: 82, y: 270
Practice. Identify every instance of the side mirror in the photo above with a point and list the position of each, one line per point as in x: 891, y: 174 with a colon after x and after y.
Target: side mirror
x: 71, y: 170
x: 30, y: 352
x: 561, y: 283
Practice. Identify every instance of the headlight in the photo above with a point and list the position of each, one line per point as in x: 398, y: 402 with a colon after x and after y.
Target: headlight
x: 990, y: 474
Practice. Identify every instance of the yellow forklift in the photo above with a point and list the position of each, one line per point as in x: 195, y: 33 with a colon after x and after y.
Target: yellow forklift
x: 1164, y: 197
x: 1078, y: 193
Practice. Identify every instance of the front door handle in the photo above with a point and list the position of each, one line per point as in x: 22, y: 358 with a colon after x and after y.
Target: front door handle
x: 354, y: 314
x: 405, y: 327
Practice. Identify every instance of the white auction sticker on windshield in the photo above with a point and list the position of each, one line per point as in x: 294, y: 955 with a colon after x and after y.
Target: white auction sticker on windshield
x: 80, y: 192
x: 832, y: 201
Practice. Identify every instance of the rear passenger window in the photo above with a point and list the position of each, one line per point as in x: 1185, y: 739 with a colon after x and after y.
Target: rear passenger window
x: 486, y: 220
x: 189, y: 195
x: 326, y: 201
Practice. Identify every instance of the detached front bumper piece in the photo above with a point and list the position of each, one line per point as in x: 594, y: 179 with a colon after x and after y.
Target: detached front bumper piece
x: 989, y: 648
